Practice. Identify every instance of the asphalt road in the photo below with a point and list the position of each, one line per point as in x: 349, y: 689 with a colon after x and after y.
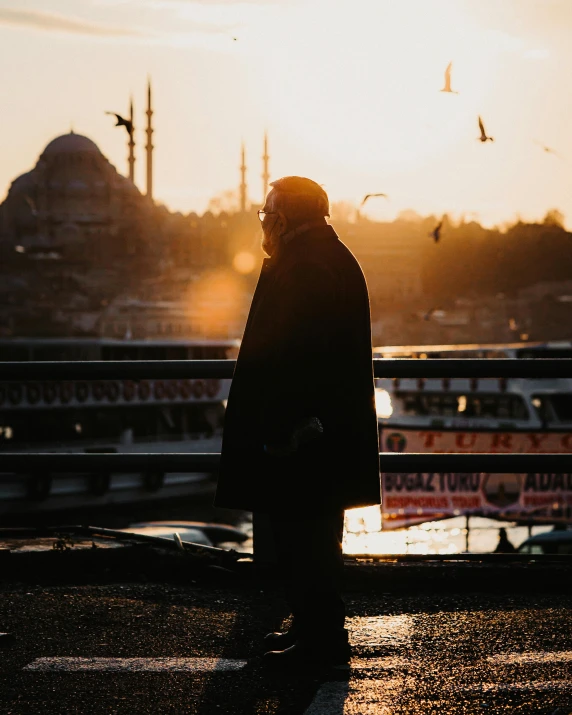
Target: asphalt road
x: 148, y: 648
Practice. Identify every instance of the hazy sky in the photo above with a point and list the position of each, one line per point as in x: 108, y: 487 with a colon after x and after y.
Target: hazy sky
x: 348, y: 90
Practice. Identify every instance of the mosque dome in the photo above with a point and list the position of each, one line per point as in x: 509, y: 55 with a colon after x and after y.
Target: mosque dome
x: 76, y: 187
x: 70, y: 144
x: 23, y: 183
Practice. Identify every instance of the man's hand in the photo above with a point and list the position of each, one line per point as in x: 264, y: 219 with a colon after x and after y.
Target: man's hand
x: 306, y: 431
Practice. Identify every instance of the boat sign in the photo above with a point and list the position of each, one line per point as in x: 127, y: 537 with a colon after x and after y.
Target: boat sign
x: 415, y: 498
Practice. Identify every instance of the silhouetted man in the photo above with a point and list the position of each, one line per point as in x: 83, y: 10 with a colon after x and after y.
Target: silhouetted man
x: 504, y: 545
x: 300, y: 439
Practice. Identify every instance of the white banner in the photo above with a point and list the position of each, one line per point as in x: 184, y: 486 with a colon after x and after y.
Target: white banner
x: 416, y: 498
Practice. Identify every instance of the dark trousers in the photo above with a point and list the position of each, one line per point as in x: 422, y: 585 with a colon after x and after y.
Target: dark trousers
x: 309, y: 561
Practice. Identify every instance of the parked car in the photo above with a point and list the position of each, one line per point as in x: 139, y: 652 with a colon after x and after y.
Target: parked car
x: 550, y: 542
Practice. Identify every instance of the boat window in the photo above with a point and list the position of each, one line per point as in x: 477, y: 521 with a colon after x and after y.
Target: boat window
x: 57, y: 353
x: 562, y: 405
x: 176, y: 352
x: 541, y: 352
x: 122, y: 352
x: 216, y: 352
x: 69, y: 426
x: 14, y: 353
x: 164, y: 352
x: 470, y: 406
x: 553, y: 407
x: 6, y: 432
x: 38, y: 426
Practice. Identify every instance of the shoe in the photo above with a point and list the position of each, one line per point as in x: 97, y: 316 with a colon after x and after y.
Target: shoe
x: 279, y: 641
x: 331, y: 651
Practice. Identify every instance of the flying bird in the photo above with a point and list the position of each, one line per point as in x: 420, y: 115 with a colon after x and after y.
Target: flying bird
x: 547, y: 149
x: 429, y: 313
x: 371, y: 196
x: 436, y: 232
x: 447, y: 87
x: 122, y: 122
x: 483, y: 137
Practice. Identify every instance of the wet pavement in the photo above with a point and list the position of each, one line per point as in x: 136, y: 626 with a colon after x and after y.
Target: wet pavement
x: 194, y: 648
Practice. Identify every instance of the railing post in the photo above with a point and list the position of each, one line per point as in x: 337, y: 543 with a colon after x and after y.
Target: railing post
x: 467, y: 532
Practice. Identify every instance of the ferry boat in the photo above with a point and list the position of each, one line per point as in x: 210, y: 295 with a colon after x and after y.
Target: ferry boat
x: 109, y: 416
x: 475, y: 415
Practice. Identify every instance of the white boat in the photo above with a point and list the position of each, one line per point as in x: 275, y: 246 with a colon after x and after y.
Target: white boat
x: 109, y: 416
x: 483, y: 415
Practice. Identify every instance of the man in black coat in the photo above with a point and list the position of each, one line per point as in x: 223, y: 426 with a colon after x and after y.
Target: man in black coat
x: 300, y: 437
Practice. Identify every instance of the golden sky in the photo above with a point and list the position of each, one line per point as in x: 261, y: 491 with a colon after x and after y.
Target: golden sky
x: 347, y: 89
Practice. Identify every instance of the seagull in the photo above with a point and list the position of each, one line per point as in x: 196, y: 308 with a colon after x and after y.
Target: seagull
x: 483, y: 137
x: 371, y: 196
x: 447, y: 87
x: 547, y: 149
x: 122, y: 122
x: 436, y: 232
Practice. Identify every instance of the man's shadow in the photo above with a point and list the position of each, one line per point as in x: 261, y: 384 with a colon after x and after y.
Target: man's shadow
x: 247, y: 691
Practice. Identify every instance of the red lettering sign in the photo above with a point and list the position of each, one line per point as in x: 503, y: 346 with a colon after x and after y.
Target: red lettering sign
x: 502, y: 440
x: 465, y: 441
x: 430, y: 439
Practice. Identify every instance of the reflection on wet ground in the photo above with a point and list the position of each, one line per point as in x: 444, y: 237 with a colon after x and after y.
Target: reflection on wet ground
x: 155, y: 648
x: 381, y: 631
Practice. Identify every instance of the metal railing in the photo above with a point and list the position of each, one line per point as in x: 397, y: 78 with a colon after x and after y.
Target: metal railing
x: 44, y: 463
x: 223, y: 369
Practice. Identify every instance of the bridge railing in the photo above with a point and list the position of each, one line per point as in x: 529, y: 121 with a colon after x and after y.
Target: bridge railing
x: 223, y: 369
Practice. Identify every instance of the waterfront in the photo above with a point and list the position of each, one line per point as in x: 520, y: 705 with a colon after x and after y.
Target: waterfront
x: 363, y: 535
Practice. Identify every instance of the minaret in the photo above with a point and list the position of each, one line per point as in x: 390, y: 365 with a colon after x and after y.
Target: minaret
x: 243, y: 181
x: 149, y: 146
x: 131, y: 159
x: 265, y: 174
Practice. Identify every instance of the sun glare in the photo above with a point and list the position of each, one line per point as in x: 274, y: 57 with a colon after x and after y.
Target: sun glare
x: 364, y: 92
x: 244, y: 262
x: 215, y: 302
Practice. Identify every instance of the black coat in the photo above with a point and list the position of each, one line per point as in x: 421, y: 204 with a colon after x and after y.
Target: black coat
x: 306, y: 351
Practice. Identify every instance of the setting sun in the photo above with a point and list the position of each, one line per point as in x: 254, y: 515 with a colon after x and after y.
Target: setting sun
x: 349, y: 94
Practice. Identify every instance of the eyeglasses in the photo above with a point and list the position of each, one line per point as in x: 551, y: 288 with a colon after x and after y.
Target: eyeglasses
x: 263, y: 214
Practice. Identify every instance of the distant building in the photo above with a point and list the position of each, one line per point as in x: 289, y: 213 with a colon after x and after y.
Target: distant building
x: 84, y: 252
x: 134, y: 319
x: 392, y: 266
x: 76, y: 236
x: 74, y: 204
